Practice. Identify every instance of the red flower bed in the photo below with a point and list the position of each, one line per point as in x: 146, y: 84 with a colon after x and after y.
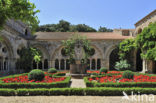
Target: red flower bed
x: 118, y: 78
x: 24, y: 79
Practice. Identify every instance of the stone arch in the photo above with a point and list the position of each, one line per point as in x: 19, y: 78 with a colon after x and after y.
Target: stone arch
x: 57, y: 55
x: 139, y: 61
x: 43, y: 64
x: 7, y: 43
x: 109, y: 50
x: 108, y: 54
x: 98, y: 52
x: 113, y: 58
x: 139, y: 31
x: 53, y: 55
x: 6, y: 54
x: 43, y: 50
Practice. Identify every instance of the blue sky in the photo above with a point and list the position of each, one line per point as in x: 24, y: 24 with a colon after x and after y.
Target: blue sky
x: 95, y: 13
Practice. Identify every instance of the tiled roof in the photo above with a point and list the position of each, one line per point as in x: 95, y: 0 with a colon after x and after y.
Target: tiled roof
x: 144, y: 18
x: 89, y: 35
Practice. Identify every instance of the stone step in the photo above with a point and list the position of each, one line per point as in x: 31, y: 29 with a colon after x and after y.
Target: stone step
x: 77, y: 83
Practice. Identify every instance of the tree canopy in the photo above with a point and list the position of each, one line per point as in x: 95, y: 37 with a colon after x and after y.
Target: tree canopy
x: 104, y: 29
x: 22, y: 10
x: 69, y: 46
x: 27, y: 55
x: 146, y: 41
x: 65, y: 26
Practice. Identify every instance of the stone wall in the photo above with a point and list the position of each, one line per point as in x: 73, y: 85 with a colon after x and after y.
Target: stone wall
x: 145, y: 22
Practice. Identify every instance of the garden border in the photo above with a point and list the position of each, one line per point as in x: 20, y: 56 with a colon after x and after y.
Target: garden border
x: 122, y: 85
x: 77, y: 91
x: 60, y: 84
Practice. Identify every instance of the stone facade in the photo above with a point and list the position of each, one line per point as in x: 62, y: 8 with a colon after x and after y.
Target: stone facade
x: 16, y: 35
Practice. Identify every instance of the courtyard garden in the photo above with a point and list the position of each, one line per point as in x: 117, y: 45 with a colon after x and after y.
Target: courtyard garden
x: 100, y: 82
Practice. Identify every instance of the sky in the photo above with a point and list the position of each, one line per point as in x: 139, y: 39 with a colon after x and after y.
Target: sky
x: 112, y: 14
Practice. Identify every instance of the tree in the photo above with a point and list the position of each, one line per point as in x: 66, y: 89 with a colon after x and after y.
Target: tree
x: 63, y: 26
x: 22, y: 10
x: 27, y: 55
x: 125, y: 47
x: 84, y: 28
x: 104, y: 29
x: 146, y: 40
x: 69, y: 46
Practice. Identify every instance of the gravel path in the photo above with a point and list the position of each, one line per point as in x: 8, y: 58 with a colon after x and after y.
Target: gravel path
x: 77, y: 83
x: 66, y: 99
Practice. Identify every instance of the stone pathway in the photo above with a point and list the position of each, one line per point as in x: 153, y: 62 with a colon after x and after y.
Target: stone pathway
x: 77, y: 83
x: 67, y: 99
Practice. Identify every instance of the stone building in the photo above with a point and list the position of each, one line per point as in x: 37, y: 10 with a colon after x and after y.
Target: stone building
x: 16, y: 35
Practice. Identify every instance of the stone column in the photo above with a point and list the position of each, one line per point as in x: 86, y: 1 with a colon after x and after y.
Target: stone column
x: 3, y: 64
x: 13, y: 64
x: 144, y: 66
x: 65, y: 64
x: 49, y: 64
x: 59, y: 64
x: 43, y: 64
x: 105, y: 63
x: 90, y: 64
x: 95, y: 64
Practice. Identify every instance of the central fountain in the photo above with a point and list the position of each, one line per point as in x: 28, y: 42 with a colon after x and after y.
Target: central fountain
x: 78, y: 69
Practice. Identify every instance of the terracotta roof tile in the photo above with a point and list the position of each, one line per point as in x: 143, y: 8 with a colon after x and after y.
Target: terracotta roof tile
x: 89, y: 35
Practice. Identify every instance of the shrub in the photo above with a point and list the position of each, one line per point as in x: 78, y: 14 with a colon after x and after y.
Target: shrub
x: 59, y: 74
x: 52, y: 70
x: 36, y: 74
x: 128, y: 74
x: 122, y: 65
x: 103, y: 69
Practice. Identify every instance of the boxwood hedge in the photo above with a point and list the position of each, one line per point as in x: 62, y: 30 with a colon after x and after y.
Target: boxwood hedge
x: 126, y: 84
x: 109, y: 91
x: 60, y: 84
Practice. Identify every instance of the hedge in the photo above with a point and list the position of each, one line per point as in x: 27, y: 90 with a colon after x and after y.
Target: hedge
x: 59, y: 74
x: 60, y: 84
x: 126, y: 84
x: 77, y: 91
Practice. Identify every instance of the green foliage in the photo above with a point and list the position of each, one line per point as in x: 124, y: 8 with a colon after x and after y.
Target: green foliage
x: 104, y: 91
x: 104, y: 29
x: 52, y: 70
x: 126, y: 47
x: 59, y: 74
x: 146, y: 40
x: 7, y: 92
x: 122, y: 85
x: 22, y: 10
x: 128, y: 74
x: 69, y: 46
x: 104, y: 70
x: 36, y: 74
x: 122, y: 65
x: 65, y: 26
x: 82, y: 28
x: 27, y: 55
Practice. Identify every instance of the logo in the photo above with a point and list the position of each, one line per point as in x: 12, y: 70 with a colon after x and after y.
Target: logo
x: 138, y: 97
